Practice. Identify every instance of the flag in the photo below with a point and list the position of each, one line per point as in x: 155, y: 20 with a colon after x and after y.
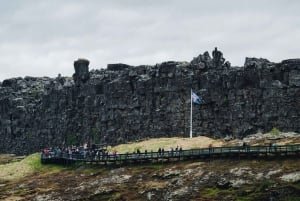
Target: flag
x: 196, y: 99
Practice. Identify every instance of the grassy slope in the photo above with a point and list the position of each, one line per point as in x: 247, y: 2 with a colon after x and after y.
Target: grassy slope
x: 29, y: 165
x: 167, y: 143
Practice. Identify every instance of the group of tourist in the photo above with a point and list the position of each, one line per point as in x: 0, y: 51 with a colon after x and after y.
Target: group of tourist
x: 160, y: 152
x: 77, y: 152
x: 95, y: 153
x: 172, y: 152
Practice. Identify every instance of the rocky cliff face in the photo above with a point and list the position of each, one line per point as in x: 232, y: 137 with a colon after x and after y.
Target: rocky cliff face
x: 124, y: 103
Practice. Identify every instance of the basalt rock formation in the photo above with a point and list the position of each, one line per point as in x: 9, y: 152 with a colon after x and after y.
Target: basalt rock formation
x: 124, y: 103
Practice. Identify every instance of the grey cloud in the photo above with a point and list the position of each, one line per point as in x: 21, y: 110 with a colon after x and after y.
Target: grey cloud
x: 44, y: 37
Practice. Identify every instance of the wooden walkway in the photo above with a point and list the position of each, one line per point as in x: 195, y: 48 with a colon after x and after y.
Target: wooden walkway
x: 154, y: 157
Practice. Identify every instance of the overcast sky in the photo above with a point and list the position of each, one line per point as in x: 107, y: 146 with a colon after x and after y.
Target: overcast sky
x: 44, y: 37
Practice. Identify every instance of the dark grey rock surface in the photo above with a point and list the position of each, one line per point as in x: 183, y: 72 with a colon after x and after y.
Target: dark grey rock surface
x: 125, y: 103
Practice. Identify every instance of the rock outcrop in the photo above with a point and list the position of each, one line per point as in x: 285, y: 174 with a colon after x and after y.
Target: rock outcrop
x: 124, y: 103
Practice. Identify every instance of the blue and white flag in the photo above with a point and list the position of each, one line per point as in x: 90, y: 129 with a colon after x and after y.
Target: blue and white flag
x: 196, y: 99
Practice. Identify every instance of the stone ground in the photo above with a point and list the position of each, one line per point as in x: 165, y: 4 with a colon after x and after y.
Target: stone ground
x: 214, y: 180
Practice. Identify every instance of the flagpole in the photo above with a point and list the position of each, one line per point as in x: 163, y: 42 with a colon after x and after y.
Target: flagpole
x: 191, y: 118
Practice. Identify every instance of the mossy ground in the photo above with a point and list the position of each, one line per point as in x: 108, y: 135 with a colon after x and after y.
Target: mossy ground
x: 46, y: 179
x: 253, y: 192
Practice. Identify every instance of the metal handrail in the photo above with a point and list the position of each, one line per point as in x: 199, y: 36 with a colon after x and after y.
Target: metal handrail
x: 167, y: 154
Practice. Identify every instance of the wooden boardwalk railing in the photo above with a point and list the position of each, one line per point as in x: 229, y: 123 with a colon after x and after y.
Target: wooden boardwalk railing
x: 214, y: 152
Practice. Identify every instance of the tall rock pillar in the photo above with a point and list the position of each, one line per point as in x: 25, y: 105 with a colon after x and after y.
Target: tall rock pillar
x: 81, y: 74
